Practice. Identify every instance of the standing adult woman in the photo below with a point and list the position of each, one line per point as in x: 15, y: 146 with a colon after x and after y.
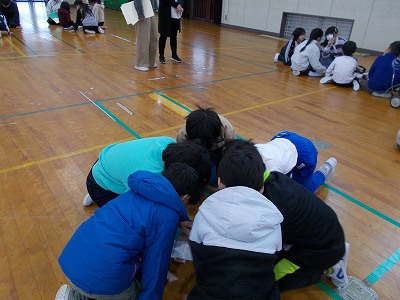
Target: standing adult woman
x: 169, y: 23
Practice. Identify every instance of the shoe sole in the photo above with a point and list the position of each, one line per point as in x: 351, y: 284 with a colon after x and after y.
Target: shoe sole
x: 178, y: 61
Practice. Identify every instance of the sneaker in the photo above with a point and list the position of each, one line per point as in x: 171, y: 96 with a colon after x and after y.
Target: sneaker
x: 87, y: 200
x: 338, y: 272
x: 315, y: 74
x: 162, y: 60
x: 143, y: 69
x: 356, y: 85
x: 382, y: 95
x: 176, y: 58
x: 328, y: 168
x: 326, y: 79
x: 101, y: 30
x: 296, y: 73
x: 153, y: 66
x: 398, y: 140
x: 276, y: 57
x: 69, y: 27
x: 90, y: 31
x: 63, y: 292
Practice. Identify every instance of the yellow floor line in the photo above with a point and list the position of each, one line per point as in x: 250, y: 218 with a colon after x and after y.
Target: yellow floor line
x: 15, y: 47
x: 173, y: 107
x: 168, y: 104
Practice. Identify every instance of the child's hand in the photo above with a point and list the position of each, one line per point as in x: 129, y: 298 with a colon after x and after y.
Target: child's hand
x: 186, y: 227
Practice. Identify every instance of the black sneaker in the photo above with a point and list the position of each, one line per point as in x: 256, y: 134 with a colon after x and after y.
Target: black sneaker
x: 176, y: 58
x: 162, y: 60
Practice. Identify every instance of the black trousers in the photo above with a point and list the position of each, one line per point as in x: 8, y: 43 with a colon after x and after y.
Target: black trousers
x: 99, y: 195
x: 175, y: 25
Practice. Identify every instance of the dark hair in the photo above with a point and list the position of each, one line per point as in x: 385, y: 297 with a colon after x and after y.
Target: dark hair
x: 191, y: 153
x: 204, y: 124
x: 298, y: 32
x: 349, y: 48
x: 65, y: 5
x: 86, y: 9
x: 78, y: 2
x: 5, y: 2
x: 331, y: 30
x: 314, y: 35
x: 395, y: 48
x: 92, y: 1
x: 241, y: 165
x: 186, y: 181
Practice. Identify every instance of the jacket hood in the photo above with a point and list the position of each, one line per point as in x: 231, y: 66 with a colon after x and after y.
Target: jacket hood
x: 158, y: 189
x: 239, y: 218
x: 279, y: 155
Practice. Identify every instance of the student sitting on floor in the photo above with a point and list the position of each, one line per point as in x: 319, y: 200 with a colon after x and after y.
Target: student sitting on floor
x: 10, y: 11
x: 341, y: 71
x: 52, y: 8
x: 123, y: 251
x: 332, y: 46
x: 236, y: 233
x: 297, y: 157
x: 384, y: 72
x: 305, y: 59
x: 288, y: 50
x: 85, y: 17
x: 64, y: 16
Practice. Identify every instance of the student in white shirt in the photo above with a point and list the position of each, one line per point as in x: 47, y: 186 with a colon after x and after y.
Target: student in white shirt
x: 341, y: 71
x: 305, y: 59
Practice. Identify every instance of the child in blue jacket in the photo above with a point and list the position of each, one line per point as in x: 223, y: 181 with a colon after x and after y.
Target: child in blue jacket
x: 125, y: 248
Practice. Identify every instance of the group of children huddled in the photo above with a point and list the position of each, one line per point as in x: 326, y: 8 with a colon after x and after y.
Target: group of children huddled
x: 333, y: 58
x: 261, y: 232
x: 89, y: 16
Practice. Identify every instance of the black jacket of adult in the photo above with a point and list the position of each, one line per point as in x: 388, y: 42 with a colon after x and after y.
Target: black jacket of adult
x: 309, y: 224
x: 164, y: 16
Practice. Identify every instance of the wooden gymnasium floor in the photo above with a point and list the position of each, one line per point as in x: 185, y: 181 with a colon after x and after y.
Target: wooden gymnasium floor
x: 62, y: 100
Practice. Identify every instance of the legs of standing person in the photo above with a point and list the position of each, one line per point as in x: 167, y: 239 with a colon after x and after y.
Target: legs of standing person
x: 173, y: 40
x: 142, y: 44
x: 99, y: 195
x: 153, y: 42
x: 161, y: 48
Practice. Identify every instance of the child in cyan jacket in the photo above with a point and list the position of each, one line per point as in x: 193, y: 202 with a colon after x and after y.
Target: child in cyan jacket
x: 125, y: 248
x: 236, y: 233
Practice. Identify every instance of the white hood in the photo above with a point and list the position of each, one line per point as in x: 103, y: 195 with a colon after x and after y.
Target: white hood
x: 278, y: 155
x: 238, y: 218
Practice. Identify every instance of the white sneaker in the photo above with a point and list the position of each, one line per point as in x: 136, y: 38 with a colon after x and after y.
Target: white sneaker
x: 143, y: 69
x: 101, y: 30
x: 328, y: 168
x: 90, y: 31
x: 296, y: 73
x: 63, y: 292
x: 382, y: 95
x: 153, y: 66
x: 326, y: 79
x: 338, y: 272
x: 356, y: 85
x: 276, y: 56
x: 315, y: 74
x: 87, y: 200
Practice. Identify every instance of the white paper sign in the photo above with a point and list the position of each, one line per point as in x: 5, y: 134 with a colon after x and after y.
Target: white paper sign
x: 129, y: 11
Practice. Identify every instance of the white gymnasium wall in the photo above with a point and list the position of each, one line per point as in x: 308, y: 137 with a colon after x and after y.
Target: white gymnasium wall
x: 376, y: 22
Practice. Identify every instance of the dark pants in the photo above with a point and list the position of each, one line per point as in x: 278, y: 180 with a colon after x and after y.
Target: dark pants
x: 298, y: 279
x: 51, y: 21
x: 175, y: 24
x: 99, y: 195
x: 350, y: 84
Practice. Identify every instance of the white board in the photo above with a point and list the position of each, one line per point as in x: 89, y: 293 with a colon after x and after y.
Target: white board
x: 129, y: 11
